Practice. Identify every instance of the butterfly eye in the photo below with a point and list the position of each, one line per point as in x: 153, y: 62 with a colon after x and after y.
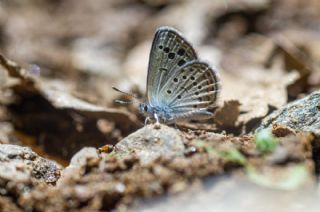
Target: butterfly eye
x: 145, y: 108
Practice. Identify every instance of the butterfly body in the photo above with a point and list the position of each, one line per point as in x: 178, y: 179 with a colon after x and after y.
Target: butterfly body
x: 165, y: 114
x: 158, y: 112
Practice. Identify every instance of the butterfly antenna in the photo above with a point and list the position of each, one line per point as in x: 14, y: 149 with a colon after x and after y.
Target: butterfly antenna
x: 123, y: 102
x: 134, y: 100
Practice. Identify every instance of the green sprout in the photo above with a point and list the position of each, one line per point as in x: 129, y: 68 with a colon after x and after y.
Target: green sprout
x: 265, y: 141
x: 205, y: 146
x: 230, y: 155
x: 233, y: 155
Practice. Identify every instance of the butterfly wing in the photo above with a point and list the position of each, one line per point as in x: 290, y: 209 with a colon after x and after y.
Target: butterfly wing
x: 190, y: 91
x: 169, y: 52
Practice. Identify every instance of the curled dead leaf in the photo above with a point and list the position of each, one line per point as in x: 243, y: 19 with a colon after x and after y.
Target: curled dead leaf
x: 227, y: 115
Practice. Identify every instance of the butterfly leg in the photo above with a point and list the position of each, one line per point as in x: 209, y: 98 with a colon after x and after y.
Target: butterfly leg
x: 146, y: 120
x: 156, y: 117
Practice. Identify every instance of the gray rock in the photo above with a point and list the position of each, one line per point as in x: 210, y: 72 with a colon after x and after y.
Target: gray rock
x: 77, y: 163
x: 80, y: 158
x: 300, y: 115
x: 21, y: 164
x: 151, y: 142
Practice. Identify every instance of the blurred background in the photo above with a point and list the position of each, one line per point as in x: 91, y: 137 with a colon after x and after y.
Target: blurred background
x: 93, y: 45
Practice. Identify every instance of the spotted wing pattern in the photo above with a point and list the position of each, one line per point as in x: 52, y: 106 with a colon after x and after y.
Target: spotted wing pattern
x: 190, y: 90
x: 169, y: 52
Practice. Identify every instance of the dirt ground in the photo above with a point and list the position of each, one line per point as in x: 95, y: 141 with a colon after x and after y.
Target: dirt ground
x: 65, y: 145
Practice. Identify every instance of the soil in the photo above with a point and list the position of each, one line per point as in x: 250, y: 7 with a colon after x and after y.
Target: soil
x: 65, y: 145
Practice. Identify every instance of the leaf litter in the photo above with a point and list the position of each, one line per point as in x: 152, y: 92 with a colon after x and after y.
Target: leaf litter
x: 61, y: 107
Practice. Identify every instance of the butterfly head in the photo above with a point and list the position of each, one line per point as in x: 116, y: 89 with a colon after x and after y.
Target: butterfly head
x: 157, y: 113
x: 146, y: 109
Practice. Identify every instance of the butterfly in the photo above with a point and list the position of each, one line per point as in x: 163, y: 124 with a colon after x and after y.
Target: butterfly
x: 179, y: 86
